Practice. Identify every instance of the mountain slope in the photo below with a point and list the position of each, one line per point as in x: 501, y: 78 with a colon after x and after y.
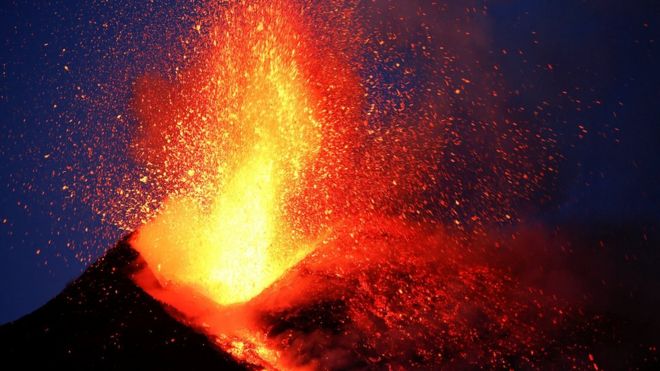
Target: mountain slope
x: 102, y: 320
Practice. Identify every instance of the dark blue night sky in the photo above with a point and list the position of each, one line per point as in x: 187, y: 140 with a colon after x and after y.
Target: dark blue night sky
x: 605, y: 51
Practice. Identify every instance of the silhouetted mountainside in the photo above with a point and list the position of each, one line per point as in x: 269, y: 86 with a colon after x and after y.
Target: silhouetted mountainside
x: 103, y: 320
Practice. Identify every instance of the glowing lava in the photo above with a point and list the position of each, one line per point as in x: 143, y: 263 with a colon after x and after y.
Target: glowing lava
x: 302, y: 192
x: 252, y: 127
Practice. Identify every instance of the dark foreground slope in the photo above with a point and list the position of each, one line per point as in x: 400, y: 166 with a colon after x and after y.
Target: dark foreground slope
x: 103, y: 320
x: 490, y: 309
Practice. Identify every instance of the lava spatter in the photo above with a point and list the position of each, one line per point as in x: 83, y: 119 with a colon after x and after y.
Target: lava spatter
x: 307, y: 172
x: 236, y: 137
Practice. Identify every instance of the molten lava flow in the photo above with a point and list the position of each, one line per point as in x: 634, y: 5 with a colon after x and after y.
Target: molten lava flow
x: 249, y: 124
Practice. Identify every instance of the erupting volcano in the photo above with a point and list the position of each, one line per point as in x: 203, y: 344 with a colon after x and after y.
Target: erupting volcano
x: 343, y: 186
x: 287, y: 204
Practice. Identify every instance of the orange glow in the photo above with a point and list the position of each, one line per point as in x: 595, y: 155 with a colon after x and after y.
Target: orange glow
x: 256, y: 123
x: 302, y: 194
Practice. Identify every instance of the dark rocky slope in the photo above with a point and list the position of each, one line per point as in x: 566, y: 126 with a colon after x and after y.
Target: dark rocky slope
x: 102, y: 320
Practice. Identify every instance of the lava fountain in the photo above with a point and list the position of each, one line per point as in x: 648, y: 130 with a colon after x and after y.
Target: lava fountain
x: 250, y: 121
x: 296, y: 219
